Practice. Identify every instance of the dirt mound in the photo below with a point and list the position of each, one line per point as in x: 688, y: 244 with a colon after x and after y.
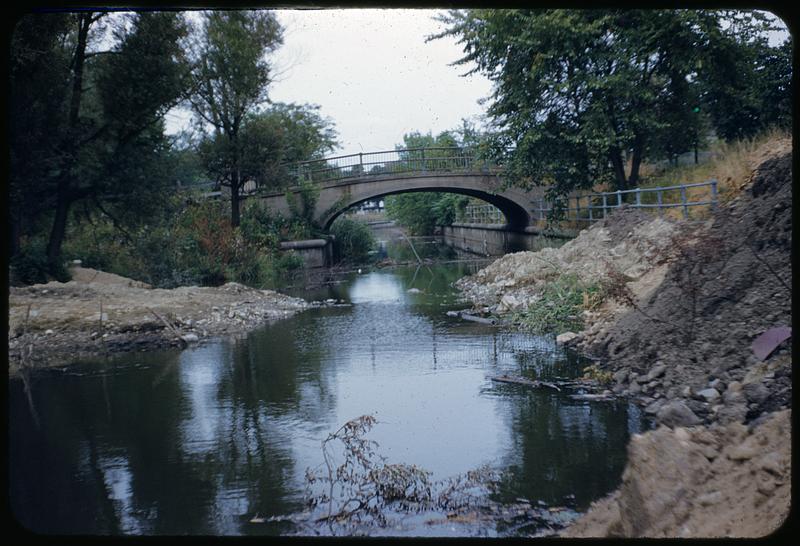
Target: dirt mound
x: 89, y: 275
x: 726, y: 286
x: 97, y: 313
x: 722, y: 481
x: 629, y: 241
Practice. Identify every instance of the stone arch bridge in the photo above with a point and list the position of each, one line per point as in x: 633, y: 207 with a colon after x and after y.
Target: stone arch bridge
x: 346, y: 181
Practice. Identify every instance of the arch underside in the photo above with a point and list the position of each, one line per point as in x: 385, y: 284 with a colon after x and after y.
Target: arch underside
x: 517, y: 217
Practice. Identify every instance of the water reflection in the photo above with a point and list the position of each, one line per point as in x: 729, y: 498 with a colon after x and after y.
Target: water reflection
x: 200, y: 441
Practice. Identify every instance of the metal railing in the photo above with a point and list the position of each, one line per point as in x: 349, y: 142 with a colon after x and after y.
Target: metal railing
x: 482, y: 214
x: 427, y: 159
x: 597, y: 205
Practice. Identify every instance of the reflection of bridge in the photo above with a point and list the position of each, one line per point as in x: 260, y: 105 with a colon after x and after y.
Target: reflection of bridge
x: 348, y: 180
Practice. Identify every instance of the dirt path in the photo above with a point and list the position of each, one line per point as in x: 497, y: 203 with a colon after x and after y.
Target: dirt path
x: 96, y: 313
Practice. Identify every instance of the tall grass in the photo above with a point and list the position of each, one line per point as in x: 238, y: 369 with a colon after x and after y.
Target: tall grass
x: 731, y: 164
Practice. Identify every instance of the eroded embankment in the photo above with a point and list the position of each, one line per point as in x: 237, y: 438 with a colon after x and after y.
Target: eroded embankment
x: 685, y: 301
x: 98, y: 313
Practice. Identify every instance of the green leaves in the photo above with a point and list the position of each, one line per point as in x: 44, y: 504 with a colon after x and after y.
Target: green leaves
x: 584, y: 95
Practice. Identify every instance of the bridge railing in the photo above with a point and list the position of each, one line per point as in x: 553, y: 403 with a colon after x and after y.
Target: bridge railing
x: 483, y: 214
x: 595, y: 206
x: 428, y: 159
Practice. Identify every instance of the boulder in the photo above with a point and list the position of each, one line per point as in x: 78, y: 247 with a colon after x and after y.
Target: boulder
x: 656, y: 371
x: 677, y: 414
x: 709, y: 395
x: 566, y: 337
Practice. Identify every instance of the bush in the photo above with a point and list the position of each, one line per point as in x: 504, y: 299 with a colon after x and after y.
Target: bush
x: 560, y: 306
x: 30, y: 266
x: 354, y: 239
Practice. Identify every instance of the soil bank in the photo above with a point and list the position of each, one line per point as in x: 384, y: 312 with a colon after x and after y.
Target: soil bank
x: 690, y: 299
x: 99, y: 313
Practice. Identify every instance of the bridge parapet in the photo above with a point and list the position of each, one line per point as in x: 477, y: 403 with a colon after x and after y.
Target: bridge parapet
x: 408, y: 160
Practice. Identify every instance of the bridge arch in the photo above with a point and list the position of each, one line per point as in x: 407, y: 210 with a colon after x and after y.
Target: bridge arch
x: 345, y: 181
x: 512, y: 207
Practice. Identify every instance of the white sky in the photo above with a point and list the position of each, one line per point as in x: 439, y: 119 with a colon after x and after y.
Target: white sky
x: 372, y: 73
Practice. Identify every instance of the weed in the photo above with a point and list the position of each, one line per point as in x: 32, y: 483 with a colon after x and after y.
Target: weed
x: 560, y: 305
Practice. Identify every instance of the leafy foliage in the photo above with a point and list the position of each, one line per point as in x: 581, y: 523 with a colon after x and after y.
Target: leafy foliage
x: 86, y: 116
x: 353, y: 239
x: 421, y: 212
x: 581, y: 97
x: 231, y: 77
x: 560, y: 305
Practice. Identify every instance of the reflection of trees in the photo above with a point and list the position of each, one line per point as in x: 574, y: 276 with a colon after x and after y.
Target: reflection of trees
x: 563, y: 447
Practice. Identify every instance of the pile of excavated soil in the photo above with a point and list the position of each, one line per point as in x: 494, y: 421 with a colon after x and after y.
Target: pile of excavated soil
x: 628, y: 241
x: 691, y: 339
x: 98, y: 313
x: 722, y: 481
x: 681, y: 347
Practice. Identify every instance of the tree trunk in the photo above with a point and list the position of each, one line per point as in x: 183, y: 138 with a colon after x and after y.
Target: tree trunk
x: 619, y: 168
x: 235, y: 187
x: 636, y: 162
x: 59, y: 226
x: 63, y: 192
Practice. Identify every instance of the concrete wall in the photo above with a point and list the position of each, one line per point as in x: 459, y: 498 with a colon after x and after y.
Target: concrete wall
x: 495, y: 239
x: 314, y: 252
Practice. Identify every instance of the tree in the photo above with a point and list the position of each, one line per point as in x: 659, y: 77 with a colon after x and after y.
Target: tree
x: 749, y: 87
x: 582, y: 95
x: 269, y: 142
x: 92, y: 117
x: 422, y: 212
x: 232, y: 74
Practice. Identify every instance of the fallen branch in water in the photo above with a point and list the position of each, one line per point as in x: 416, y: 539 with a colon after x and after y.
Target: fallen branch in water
x: 524, y: 381
x: 471, y: 318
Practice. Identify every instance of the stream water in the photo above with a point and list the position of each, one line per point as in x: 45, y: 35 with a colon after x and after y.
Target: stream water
x: 203, y: 440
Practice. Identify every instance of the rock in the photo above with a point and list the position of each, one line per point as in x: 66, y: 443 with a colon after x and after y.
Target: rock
x: 414, y: 291
x: 734, y: 386
x: 676, y: 413
x: 709, y: 395
x: 771, y: 462
x: 621, y: 375
x: 190, y: 338
x: 742, y: 452
x: 653, y: 408
x: 766, y: 487
x: 756, y: 392
x: 718, y: 385
x: 48, y: 332
x: 708, y: 499
x: 566, y: 337
x: 686, y: 392
x: 657, y: 371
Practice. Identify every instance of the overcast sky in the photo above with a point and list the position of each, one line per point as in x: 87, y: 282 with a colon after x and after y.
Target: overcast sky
x: 373, y: 74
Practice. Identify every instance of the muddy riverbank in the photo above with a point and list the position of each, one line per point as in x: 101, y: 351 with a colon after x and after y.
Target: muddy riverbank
x: 684, y: 306
x: 98, y: 313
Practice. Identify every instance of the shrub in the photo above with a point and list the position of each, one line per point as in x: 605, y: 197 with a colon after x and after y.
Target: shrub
x: 560, y: 305
x: 30, y: 265
x: 354, y: 239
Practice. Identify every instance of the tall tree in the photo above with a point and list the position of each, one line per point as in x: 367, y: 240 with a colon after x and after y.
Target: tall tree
x: 232, y: 74
x: 105, y: 100
x: 269, y: 141
x: 581, y: 95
